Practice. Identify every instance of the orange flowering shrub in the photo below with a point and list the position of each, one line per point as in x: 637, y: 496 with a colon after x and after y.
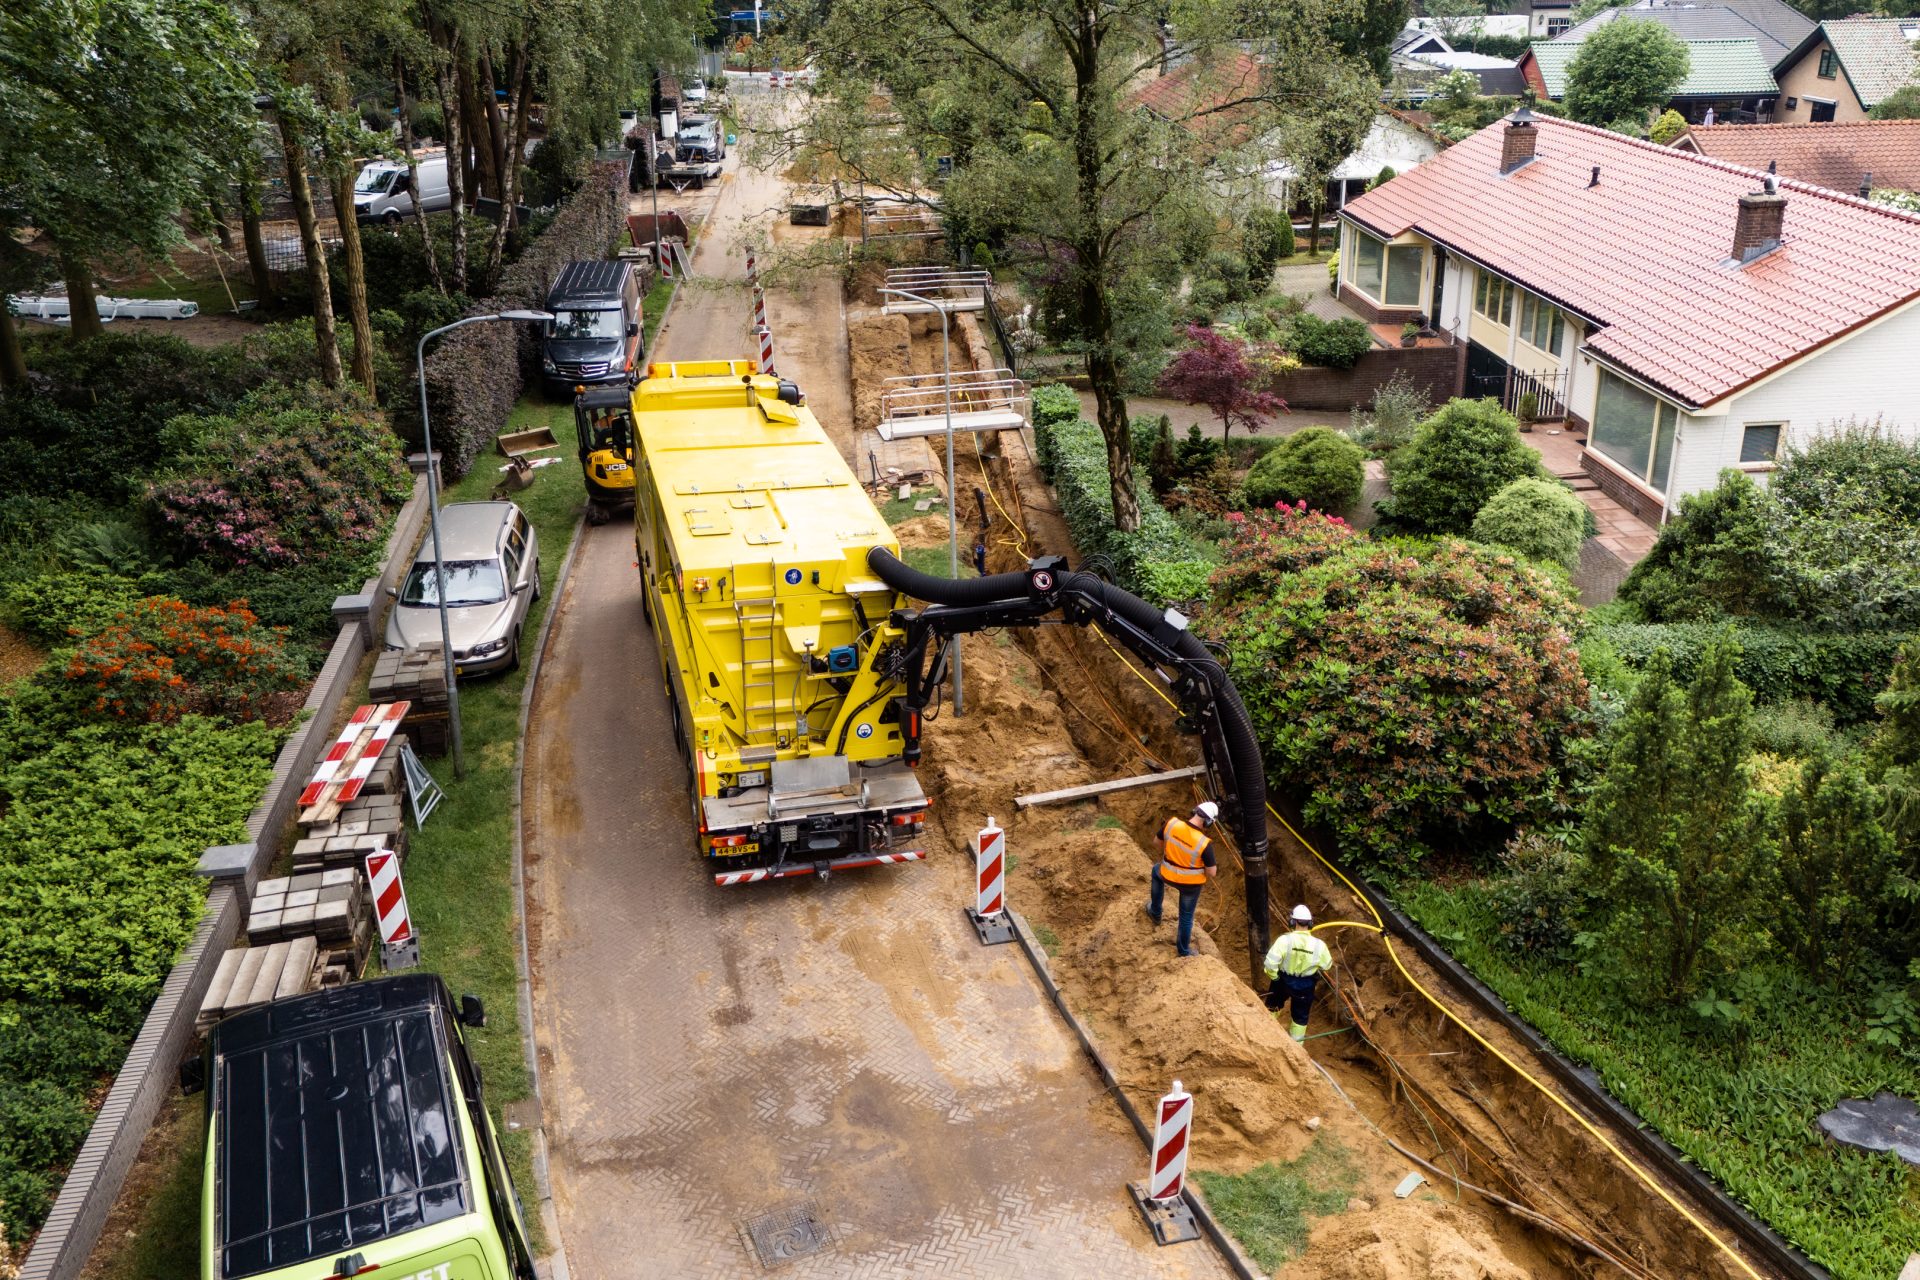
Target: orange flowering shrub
x: 164, y: 658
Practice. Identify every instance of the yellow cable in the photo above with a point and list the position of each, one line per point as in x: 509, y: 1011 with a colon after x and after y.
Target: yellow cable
x: 1138, y: 674
x: 987, y: 481
x: 1347, y: 924
x: 1379, y: 926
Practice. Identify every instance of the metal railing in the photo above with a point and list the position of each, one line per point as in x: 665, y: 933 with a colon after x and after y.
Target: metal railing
x: 891, y: 221
x: 980, y: 399
x: 1001, y: 336
x: 1549, y: 389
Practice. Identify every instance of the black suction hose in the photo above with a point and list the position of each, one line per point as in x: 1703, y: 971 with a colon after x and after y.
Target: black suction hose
x: 1106, y: 600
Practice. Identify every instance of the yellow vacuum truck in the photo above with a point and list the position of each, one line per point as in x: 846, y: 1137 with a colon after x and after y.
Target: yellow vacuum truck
x: 783, y: 661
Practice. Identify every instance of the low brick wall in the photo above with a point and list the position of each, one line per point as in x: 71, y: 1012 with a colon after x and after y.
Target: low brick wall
x: 1438, y: 371
x: 1373, y: 311
x: 1621, y: 490
x: 150, y: 1071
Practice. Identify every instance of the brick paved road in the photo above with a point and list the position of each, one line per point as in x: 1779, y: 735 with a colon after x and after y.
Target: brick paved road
x: 710, y: 1055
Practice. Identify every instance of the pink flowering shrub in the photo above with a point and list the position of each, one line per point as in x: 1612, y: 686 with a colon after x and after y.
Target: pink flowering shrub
x: 280, y: 487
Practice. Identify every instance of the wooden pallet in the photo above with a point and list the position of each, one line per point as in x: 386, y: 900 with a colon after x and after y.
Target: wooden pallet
x: 343, y: 774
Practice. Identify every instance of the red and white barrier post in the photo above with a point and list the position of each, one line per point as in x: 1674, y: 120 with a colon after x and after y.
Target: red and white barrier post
x: 399, y: 944
x: 1160, y: 1197
x: 760, y: 308
x: 766, y: 348
x: 989, y: 914
x: 753, y: 277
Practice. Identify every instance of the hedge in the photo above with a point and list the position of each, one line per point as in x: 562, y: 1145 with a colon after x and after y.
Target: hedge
x: 1842, y: 670
x: 474, y: 376
x: 1159, y: 561
x: 1052, y: 404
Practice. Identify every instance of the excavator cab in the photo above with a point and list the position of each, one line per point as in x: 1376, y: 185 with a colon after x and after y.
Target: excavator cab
x: 603, y: 420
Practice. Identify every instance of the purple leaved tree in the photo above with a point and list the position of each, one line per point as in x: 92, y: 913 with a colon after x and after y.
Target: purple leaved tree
x: 1216, y: 372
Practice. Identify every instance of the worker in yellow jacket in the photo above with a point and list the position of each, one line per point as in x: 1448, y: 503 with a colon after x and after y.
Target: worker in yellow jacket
x: 1295, y: 963
x: 1186, y: 862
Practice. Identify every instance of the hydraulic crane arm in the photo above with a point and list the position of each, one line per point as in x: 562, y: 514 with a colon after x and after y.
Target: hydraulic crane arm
x: 1209, y: 704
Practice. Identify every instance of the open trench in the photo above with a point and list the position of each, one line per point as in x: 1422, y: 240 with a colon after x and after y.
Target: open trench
x: 1057, y: 706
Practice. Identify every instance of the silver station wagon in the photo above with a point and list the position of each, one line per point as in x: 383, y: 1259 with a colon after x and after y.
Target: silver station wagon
x: 493, y: 577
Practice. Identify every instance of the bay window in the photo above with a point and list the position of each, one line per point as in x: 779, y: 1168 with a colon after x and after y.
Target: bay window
x: 1388, y: 273
x: 1635, y: 429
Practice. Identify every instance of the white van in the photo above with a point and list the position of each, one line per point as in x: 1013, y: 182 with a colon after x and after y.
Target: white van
x: 383, y: 191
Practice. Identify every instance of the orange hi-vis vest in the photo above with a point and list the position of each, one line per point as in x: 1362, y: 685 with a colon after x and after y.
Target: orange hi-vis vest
x: 1181, y: 850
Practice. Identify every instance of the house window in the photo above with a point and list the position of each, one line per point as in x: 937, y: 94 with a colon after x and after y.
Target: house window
x: 1828, y: 64
x: 1541, y: 324
x: 1635, y: 429
x: 1369, y: 263
x: 1557, y: 27
x: 1493, y: 297
x: 1391, y: 273
x: 1405, y: 264
x: 1760, y: 442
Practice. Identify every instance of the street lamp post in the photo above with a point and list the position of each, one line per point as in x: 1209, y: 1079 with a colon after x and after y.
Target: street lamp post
x: 953, y: 502
x: 433, y: 518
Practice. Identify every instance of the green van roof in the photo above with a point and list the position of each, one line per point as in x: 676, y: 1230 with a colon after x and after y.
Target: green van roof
x: 338, y: 1125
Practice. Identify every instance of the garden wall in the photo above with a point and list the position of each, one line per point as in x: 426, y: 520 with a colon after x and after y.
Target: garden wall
x: 1440, y: 372
x: 150, y: 1071
x: 475, y: 375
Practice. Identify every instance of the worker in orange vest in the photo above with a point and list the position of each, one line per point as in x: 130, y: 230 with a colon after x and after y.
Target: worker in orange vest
x: 1186, y: 863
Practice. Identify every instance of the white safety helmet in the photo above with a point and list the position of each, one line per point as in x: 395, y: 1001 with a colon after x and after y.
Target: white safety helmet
x: 1208, y: 810
x: 1301, y: 915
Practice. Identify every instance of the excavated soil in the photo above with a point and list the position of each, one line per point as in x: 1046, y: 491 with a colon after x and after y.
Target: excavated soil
x: 1055, y: 706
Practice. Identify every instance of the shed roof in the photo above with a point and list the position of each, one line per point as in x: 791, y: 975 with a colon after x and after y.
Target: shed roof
x: 1835, y: 155
x: 1692, y: 22
x: 1644, y: 252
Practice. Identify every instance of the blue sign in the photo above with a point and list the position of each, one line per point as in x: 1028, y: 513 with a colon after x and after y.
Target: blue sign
x: 793, y: 577
x: 864, y: 731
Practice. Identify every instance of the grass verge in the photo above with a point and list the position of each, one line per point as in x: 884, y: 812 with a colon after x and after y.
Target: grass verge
x: 654, y: 309
x: 1266, y: 1208
x: 1738, y: 1100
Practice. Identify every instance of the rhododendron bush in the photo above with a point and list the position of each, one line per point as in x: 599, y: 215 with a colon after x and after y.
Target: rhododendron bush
x: 1416, y: 696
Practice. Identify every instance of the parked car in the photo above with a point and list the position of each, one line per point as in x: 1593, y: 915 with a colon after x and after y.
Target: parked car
x: 595, y: 334
x: 493, y: 577
x: 346, y: 1132
x: 701, y: 140
x: 694, y: 90
x: 383, y: 191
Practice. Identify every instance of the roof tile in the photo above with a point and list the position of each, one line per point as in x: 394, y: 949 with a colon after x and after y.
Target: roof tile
x: 1835, y: 155
x: 1644, y: 252
x: 1875, y: 53
x: 1715, y: 68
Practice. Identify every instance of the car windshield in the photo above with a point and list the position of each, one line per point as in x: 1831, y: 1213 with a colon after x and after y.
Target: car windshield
x: 572, y: 325
x: 698, y: 132
x: 468, y: 582
x: 375, y: 180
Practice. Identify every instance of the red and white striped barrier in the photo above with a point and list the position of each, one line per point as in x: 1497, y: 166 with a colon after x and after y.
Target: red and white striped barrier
x: 1167, y: 1174
x: 389, y: 898
x: 725, y: 878
x: 766, y: 349
x: 760, y: 308
x: 990, y: 870
x: 753, y: 277
x: 329, y: 766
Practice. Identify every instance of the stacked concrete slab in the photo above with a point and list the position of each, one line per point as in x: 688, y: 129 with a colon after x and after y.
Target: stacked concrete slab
x: 417, y: 677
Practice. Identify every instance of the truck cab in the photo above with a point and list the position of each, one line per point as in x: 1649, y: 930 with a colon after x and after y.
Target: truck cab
x: 346, y: 1133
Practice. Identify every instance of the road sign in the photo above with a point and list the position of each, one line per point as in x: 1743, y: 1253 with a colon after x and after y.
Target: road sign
x: 989, y: 911
x: 399, y: 945
x: 423, y: 793
x: 1159, y: 1198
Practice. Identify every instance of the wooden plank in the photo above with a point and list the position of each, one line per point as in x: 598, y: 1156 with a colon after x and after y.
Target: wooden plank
x: 222, y: 981
x: 295, y: 978
x: 1103, y: 788
x: 267, y: 980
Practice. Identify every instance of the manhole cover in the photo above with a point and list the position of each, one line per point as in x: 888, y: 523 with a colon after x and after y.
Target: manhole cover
x: 787, y: 1233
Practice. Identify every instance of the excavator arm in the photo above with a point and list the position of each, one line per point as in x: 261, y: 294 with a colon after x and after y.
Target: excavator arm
x: 1046, y: 591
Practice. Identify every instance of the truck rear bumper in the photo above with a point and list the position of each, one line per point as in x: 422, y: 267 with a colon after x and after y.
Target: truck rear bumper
x: 824, y: 867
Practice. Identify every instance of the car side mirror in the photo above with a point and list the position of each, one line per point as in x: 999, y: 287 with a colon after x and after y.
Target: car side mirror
x: 522, y: 585
x: 393, y: 593
x: 633, y: 330
x: 193, y: 1075
x: 472, y: 1012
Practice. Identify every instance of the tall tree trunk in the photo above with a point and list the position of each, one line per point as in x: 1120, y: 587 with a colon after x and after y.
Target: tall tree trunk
x: 263, y: 286
x: 456, y: 178
x: 413, y: 177
x: 1096, y: 317
x: 489, y: 100
x: 518, y: 89
x: 355, y: 270
x: 473, y: 126
x: 82, y: 311
x: 13, y: 361
x: 325, y: 345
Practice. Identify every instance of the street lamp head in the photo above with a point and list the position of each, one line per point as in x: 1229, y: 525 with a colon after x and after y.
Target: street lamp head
x: 537, y: 317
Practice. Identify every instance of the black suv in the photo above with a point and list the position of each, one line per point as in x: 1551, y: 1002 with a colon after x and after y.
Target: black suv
x: 594, y: 336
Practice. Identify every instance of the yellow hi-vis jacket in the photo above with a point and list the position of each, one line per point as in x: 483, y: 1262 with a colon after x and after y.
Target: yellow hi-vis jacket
x: 1298, y: 954
x: 1182, y: 853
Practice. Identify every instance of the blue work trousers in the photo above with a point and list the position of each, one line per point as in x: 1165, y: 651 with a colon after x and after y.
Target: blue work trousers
x: 1189, y: 899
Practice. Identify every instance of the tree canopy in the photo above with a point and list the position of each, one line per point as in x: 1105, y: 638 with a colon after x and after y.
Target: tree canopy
x: 1623, y: 72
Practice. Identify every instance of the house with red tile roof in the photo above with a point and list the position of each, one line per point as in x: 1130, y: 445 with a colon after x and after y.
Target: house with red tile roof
x: 1858, y: 156
x: 1683, y: 314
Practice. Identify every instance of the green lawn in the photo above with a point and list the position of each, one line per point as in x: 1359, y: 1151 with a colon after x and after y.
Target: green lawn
x: 654, y: 309
x: 1739, y: 1102
x: 1266, y: 1208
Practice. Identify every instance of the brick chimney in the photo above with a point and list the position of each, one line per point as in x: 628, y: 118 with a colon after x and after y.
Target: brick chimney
x: 1757, y: 230
x: 1517, y: 142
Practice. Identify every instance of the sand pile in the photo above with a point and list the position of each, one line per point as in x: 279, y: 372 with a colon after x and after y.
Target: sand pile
x: 879, y: 347
x: 930, y: 531
x: 1403, y: 1240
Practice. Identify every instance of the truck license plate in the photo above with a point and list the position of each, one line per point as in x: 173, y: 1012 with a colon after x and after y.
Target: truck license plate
x: 735, y: 850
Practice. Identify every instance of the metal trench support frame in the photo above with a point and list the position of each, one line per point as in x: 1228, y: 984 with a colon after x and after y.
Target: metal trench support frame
x: 942, y: 288
x: 916, y: 404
